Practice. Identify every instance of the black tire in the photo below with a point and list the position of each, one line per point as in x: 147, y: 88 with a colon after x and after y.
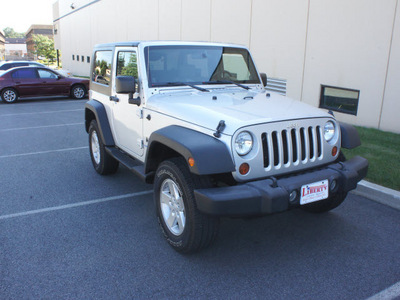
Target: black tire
x: 325, y: 205
x: 195, y: 231
x: 103, y: 162
x: 78, y: 91
x: 9, y: 95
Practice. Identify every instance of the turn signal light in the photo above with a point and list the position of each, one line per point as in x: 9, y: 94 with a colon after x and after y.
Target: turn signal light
x: 334, y: 151
x: 191, y: 161
x: 244, y: 168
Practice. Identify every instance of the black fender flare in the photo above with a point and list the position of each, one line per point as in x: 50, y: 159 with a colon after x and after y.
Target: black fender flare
x: 96, y: 108
x: 350, y: 137
x: 211, y: 156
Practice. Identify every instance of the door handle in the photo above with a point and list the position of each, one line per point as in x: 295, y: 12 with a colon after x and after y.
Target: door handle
x: 113, y: 98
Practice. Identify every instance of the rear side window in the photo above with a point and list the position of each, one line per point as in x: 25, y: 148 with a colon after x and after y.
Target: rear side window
x: 101, y: 72
x: 6, y: 67
x: 24, y: 73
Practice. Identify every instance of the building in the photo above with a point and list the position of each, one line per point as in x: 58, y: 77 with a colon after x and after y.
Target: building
x: 15, y: 49
x: 46, y: 30
x: 336, y: 54
x: 2, y: 45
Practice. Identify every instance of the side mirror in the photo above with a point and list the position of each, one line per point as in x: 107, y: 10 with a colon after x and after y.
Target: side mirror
x: 264, y: 78
x: 127, y: 85
x: 59, y: 77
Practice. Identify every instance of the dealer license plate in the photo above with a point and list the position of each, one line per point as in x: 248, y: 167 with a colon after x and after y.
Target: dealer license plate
x: 314, y: 192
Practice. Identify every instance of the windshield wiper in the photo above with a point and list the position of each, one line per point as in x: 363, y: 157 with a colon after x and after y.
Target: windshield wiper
x: 187, y: 84
x: 227, y: 81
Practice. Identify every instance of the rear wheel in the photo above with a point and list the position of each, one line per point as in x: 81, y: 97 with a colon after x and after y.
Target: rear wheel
x: 325, y: 205
x: 78, y: 92
x: 103, y: 162
x: 9, y: 95
x: 183, y: 225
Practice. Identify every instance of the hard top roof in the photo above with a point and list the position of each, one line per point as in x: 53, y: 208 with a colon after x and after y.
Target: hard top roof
x: 160, y: 43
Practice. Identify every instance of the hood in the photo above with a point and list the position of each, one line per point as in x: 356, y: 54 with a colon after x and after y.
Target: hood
x: 237, y: 107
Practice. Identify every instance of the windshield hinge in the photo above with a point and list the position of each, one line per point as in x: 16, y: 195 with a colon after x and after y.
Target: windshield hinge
x: 220, y: 128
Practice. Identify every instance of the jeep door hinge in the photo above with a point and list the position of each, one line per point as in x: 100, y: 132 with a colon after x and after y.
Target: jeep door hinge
x: 139, y: 113
x: 140, y: 143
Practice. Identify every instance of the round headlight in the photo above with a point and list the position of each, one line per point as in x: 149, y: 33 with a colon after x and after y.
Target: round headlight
x: 329, y: 131
x: 243, y: 143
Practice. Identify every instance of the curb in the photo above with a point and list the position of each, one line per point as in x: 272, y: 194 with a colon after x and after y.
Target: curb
x: 378, y: 194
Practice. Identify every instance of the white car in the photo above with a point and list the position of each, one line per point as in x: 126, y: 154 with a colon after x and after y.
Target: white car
x: 5, y: 65
x: 196, y: 120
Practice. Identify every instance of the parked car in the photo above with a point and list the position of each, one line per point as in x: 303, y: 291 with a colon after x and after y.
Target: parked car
x: 38, y: 81
x: 6, y: 65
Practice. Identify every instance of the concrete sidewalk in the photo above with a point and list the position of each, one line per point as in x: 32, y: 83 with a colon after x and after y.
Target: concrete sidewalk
x: 378, y: 193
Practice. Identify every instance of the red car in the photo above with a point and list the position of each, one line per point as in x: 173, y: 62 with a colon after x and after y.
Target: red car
x: 37, y: 81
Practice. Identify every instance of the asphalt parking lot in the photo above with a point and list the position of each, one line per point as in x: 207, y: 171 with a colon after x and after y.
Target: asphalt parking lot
x: 67, y: 232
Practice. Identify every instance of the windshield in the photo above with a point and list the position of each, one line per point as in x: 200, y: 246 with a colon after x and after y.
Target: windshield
x: 179, y: 65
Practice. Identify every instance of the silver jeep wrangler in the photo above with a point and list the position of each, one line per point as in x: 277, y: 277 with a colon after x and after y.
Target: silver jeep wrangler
x: 196, y: 120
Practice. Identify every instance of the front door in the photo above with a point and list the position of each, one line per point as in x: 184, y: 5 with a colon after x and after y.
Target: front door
x: 128, y: 122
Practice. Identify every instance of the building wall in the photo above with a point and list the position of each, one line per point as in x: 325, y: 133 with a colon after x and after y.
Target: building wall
x: 2, y: 45
x: 348, y: 44
x: 46, y: 30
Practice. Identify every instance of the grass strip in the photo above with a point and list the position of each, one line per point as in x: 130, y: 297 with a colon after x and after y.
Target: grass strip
x: 382, y: 149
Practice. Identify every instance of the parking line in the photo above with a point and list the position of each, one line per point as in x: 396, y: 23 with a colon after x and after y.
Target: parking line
x: 41, y: 112
x: 392, y: 292
x: 39, y: 127
x: 43, y: 152
x: 67, y: 206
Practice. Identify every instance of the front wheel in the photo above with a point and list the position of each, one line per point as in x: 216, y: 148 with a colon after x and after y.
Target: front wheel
x: 103, y: 162
x: 9, y: 95
x: 325, y: 205
x: 183, y: 225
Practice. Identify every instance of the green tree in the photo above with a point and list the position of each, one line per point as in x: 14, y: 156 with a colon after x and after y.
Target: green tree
x: 44, y: 47
x: 10, y: 33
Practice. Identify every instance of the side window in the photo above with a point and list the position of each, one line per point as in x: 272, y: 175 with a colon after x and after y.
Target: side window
x: 127, y: 64
x: 101, y: 72
x: 46, y: 74
x: 7, y: 66
x: 236, y: 67
x: 24, y: 73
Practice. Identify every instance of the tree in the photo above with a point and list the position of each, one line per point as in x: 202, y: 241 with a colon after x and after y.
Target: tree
x: 44, y: 47
x: 10, y: 33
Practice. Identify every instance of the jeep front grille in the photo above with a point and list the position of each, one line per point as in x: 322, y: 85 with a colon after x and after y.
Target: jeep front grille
x: 290, y: 147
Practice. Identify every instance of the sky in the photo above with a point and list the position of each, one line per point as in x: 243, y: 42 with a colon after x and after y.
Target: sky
x: 21, y: 14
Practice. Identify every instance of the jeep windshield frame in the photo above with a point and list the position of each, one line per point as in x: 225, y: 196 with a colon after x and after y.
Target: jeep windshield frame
x: 188, y: 65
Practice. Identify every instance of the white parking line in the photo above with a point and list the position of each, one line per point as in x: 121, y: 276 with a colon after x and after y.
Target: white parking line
x: 41, y: 112
x: 43, y: 152
x: 391, y: 293
x: 39, y: 127
x: 67, y: 206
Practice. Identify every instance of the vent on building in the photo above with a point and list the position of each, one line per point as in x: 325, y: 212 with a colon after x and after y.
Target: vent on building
x: 276, y: 85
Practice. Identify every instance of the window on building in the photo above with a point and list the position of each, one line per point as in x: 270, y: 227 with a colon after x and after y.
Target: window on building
x: 88, y: 59
x: 101, y: 72
x: 82, y: 58
x: 339, y: 99
x: 73, y: 57
x: 77, y: 58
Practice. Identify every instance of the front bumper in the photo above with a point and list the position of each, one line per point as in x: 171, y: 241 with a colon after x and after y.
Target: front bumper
x: 269, y: 196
